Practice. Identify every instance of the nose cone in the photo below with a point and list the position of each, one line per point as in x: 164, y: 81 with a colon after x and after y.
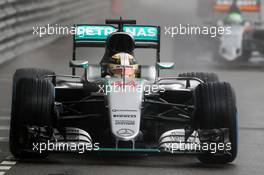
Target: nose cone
x: 230, y: 54
x: 124, y: 103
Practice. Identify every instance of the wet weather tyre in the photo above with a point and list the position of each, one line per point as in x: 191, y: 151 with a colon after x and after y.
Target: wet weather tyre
x: 32, y: 102
x: 216, y: 108
x: 204, y: 76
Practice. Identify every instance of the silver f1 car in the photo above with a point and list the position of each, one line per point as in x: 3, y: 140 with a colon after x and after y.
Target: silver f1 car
x: 244, y: 37
x: 120, y: 106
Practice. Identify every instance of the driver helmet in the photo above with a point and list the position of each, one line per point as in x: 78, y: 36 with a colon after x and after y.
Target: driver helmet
x: 234, y: 18
x: 122, y: 64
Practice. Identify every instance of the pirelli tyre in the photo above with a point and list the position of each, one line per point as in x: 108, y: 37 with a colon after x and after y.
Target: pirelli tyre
x: 32, y: 101
x: 216, y: 108
x: 204, y: 76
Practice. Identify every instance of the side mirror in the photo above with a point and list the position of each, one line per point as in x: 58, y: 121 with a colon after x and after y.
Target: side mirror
x: 79, y: 64
x: 165, y: 65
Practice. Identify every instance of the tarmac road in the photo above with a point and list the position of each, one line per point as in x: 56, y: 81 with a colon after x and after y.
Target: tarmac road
x: 191, y: 53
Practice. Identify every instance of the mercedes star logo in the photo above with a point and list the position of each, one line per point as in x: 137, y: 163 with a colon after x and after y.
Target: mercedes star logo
x: 125, y: 132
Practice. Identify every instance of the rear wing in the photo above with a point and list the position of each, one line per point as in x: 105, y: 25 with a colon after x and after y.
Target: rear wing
x: 93, y: 35
x: 244, y: 5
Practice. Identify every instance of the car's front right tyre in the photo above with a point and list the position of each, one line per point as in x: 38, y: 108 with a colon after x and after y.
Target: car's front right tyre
x: 32, y: 102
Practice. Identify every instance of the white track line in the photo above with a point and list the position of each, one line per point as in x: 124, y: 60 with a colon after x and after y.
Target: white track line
x: 4, y: 127
x: 8, y: 162
x: 5, y: 167
x: 4, y: 139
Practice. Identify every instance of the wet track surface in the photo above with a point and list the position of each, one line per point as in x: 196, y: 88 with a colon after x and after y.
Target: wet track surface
x: 190, y: 54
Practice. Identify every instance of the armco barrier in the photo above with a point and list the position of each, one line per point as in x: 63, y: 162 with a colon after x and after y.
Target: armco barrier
x: 18, y: 17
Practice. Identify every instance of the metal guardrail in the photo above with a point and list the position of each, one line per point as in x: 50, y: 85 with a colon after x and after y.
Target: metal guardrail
x: 18, y: 17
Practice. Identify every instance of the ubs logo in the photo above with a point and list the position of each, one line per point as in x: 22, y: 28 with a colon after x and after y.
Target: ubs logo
x: 125, y: 132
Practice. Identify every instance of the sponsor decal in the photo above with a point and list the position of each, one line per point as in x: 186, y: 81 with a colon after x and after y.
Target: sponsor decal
x: 101, y: 32
x: 124, y: 122
x: 142, y: 33
x: 124, y: 132
x: 126, y: 110
x: 124, y: 115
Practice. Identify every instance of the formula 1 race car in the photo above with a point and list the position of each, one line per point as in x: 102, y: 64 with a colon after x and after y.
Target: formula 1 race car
x: 245, y: 36
x: 120, y: 106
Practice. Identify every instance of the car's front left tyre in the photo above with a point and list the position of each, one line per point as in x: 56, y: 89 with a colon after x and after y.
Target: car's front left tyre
x: 216, y: 109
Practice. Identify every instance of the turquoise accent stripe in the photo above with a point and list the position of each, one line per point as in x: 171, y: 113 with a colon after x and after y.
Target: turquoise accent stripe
x: 149, y: 151
x: 129, y: 149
